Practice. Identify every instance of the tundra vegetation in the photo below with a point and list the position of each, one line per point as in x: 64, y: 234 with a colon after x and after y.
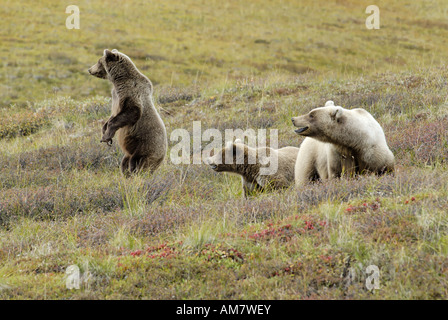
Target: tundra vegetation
x: 187, y: 232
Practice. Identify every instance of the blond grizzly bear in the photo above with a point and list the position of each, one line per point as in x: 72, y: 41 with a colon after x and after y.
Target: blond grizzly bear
x: 140, y: 131
x: 340, y: 142
x: 260, y: 169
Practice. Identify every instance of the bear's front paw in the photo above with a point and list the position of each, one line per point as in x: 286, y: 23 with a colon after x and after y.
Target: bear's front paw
x: 108, y: 141
x: 108, y: 135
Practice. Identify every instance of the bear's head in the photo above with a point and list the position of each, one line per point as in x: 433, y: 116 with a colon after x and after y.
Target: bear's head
x: 321, y: 123
x: 111, y: 65
x: 229, y: 157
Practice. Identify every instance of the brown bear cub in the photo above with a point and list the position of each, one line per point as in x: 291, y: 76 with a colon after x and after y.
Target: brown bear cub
x: 141, y: 132
x: 260, y: 169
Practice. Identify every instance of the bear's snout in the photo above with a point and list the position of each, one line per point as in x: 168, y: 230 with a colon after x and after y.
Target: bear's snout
x: 211, y: 163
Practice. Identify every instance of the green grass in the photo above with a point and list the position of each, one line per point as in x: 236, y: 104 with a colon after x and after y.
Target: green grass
x: 203, y: 43
x: 186, y: 232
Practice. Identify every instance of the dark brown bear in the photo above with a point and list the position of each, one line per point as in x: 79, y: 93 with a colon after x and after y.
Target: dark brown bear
x: 140, y: 131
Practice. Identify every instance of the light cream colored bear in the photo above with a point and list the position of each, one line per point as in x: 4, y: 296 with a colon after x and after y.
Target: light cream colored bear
x: 260, y: 168
x: 340, y: 142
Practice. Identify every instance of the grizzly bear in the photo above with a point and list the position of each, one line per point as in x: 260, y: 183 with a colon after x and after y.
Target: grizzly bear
x: 255, y: 166
x: 340, y: 142
x: 140, y: 131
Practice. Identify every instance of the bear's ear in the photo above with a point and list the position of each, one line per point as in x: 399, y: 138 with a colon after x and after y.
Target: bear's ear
x: 336, y: 113
x: 114, y: 50
x: 329, y: 103
x: 230, y: 149
x: 238, y: 149
x: 110, y: 56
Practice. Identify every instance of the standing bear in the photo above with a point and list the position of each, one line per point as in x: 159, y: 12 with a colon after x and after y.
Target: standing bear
x: 260, y: 169
x: 141, y: 132
x: 340, y: 142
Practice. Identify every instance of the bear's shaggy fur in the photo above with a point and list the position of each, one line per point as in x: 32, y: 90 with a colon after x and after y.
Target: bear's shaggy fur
x: 277, y: 177
x: 340, y: 142
x: 140, y: 131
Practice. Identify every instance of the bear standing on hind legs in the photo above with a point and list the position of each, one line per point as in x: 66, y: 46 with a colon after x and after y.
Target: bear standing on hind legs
x: 140, y: 131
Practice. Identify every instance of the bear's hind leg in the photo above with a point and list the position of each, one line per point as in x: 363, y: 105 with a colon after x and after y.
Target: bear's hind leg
x: 125, y: 165
x: 250, y: 189
x: 138, y: 163
x: 135, y: 163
